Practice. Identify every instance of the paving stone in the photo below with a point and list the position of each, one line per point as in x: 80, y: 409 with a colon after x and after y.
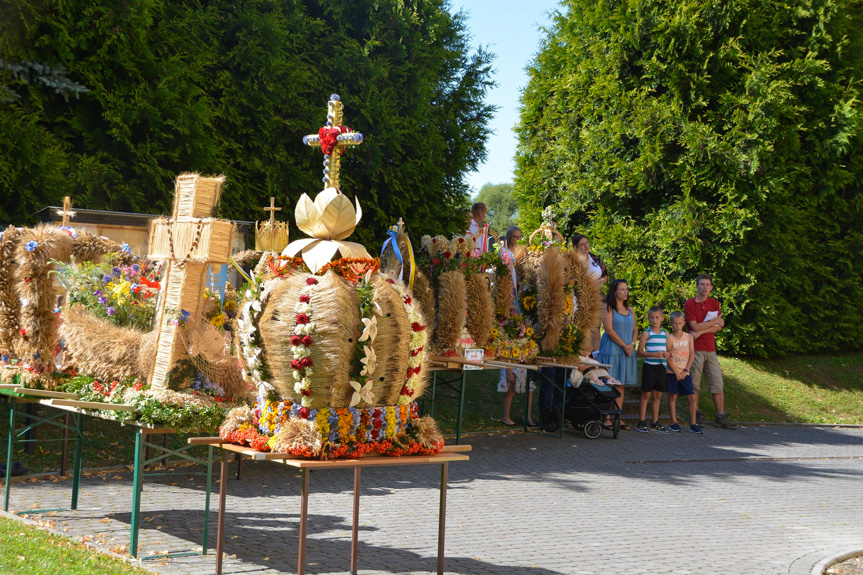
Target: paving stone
x: 759, y: 500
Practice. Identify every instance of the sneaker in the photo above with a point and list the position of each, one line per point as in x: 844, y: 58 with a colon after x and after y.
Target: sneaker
x: 654, y: 426
x: 675, y: 427
x: 699, y: 417
x: 695, y: 428
x: 722, y: 421
x: 641, y: 426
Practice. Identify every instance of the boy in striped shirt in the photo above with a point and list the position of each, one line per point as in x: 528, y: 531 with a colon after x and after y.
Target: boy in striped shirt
x: 653, y: 347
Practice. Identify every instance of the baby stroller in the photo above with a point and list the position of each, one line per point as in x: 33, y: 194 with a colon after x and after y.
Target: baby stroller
x: 587, y: 402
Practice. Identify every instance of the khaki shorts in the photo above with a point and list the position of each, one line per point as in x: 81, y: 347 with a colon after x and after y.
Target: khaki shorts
x: 707, y: 363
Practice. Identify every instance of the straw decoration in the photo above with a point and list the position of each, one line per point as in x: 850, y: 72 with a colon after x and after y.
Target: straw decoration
x: 35, y: 288
x: 504, y: 304
x: 209, y: 352
x: 423, y: 297
x: 394, y: 331
x: 247, y: 258
x: 101, y: 349
x: 451, y: 308
x: 427, y: 431
x: 480, y: 309
x: 89, y: 248
x: 588, y: 294
x: 10, y: 305
x: 550, y: 298
x: 298, y: 434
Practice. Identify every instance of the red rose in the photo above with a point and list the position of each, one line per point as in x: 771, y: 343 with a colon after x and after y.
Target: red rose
x: 306, y: 362
x: 389, y: 281
x: 304, y: 412
x: 416, y: 352
x: 23, y: 332
x: 464, y: 264
x: 447, y: 255
x: 436, y: 261
x: 461, y: 240
x: 434, y: 240
x: 296, y: 340
x: 311, y: 281
x: 408, y: 300
x: 416, y: 326
x: 295, y: 364
x: 302, y: 319
x: 306, y: 392
x: 308, y: 341
x: 305, y: 298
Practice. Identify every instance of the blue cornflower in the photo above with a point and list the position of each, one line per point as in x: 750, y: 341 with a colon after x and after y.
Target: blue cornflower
x: 116, y: 272
x: 31, y: 245
x: 107, y: 279
x: 111, y: 310
x: 136, y: 268
x: 125, y: 247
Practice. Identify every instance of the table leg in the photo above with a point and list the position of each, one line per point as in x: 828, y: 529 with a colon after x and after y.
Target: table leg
x: 356, y: 523
x: 223, y: 492
x: 78, y: 457
x: 441, y: 531
x: 10, y: 446
x: 304, y: 513
x: 207, y: 500
x: 239, y: 465
x: 434, y: 386
x: 137, y: 479
x: 65, y: 450
x: 460, y: 408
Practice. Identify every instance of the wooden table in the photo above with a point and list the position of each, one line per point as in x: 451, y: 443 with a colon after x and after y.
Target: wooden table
x: 62, y: 405
x: 448, y: 454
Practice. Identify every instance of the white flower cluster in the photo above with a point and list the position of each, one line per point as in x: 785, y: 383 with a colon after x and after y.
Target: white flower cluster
x: 417, y: 345
x: 363, y: 388
x: 247, y: 321
x: 303, y: 377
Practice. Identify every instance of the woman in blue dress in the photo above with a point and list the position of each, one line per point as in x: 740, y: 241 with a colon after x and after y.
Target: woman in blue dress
x: 617, y: 347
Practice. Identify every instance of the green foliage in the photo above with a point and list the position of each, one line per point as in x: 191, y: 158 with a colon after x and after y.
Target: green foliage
x: 720, y: 137
x: 231, y: 87
x: 502, y: 205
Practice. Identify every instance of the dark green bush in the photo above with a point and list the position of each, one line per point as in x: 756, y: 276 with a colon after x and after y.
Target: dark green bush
x: 720, y: 136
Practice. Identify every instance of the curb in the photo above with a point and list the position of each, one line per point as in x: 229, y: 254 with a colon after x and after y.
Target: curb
x: 824, y: 564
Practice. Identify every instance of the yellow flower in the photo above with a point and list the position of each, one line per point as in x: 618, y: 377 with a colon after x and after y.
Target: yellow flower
x: 494, y: 333
x: 528, y: 332
x: 567, y: 305
x: 504, y: 352
x: 219, y: 320
x: 230, y: 305
x: 529, y: 302
x: 516, y: 352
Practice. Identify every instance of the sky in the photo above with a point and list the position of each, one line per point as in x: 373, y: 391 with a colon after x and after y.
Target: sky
x: 511, y: 30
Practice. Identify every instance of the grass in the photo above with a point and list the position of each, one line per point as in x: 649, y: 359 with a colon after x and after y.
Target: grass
x: 824, y: 389
x: 28, y: 550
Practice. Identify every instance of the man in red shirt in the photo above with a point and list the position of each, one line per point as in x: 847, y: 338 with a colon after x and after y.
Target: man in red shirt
x: 704, y: 318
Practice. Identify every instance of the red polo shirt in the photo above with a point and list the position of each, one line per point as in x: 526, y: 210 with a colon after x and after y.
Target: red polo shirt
x: 696, y: 311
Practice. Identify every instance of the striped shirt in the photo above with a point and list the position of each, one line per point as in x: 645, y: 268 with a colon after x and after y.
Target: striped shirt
x: 655, y: 342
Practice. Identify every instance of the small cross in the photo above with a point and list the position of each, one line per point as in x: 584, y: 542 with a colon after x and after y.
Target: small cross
x: 400, y: 226
x: 333, y: 139
x: 272, y: 209
x: 66, y: 212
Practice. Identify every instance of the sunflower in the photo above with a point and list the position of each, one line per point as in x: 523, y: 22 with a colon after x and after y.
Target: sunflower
x: 529, y: 302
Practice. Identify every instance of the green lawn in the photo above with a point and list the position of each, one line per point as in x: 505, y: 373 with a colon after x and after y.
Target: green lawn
x: 799, y: 389
x: 28, y: 550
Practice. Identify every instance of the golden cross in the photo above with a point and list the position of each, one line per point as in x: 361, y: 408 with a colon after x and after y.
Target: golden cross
x: 400, y: 226
x: 333, y: 139
x: 66, y: 212
x: 272, y: 209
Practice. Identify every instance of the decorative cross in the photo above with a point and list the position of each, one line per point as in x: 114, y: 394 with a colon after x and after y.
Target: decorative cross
x: 200, y: 241
x: 401, y: 226
x: 66, y: 212
x: 333, y: 139
x: 272, y: 209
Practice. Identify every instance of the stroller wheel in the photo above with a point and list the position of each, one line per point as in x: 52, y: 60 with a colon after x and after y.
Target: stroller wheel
x: 615, y: 427
x: 592, y: 429
x: 549, y: 419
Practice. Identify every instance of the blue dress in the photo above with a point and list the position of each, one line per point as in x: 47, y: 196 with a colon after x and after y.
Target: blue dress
x: 624, y: 369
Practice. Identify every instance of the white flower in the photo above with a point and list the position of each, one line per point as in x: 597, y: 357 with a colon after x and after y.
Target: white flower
x: 369, y: 361
x: 248, y: 294
x: 370, y: 331
x: 256, y: 305
x: 362, y: 393
x: 306, y: 401
x: 298, y: 387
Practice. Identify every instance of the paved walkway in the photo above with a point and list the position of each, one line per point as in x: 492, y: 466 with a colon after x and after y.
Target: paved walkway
x: 758, y: 500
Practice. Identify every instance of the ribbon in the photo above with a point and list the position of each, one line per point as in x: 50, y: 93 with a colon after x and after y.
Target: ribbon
x: 393, y: 232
